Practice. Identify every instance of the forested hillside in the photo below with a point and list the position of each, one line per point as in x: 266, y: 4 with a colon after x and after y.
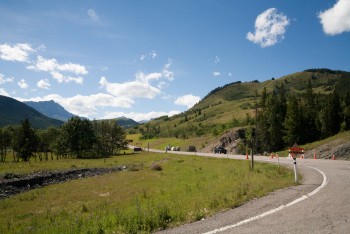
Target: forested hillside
x: 301, y: 107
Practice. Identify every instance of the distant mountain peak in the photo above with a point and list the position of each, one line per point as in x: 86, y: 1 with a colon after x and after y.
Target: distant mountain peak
x: 13, y: 112
x: 51, y: 109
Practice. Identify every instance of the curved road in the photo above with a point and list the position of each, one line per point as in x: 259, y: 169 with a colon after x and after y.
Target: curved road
x: 321, y: 204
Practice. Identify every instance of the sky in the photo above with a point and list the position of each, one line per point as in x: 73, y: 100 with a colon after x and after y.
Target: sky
x: 147, y: 58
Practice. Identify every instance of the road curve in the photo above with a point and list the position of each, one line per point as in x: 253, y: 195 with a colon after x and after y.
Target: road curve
x: 321, y: 204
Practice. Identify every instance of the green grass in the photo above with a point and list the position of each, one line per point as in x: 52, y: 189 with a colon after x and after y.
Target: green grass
x: 186, y: 189
x: 161, y: 143
x: 62, y: 164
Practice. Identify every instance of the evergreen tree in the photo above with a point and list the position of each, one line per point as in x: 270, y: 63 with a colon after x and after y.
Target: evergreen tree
x: 262, y: 125
x: 293, y: 123
x: 309, y: 111
x: 329, y: 116
x: 276, y: 110
x: 345, y: 112
x: 26, y: 141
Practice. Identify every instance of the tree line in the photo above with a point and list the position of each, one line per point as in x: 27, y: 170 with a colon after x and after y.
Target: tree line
x: 77, y: 138
x: 283, y: 120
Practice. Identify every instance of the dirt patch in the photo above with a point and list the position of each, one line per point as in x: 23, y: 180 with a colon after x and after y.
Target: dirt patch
x: 228, y: 140
x: 12, y: 184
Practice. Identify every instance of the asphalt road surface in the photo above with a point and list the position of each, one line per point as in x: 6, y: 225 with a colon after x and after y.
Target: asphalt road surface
x: 321, y: 204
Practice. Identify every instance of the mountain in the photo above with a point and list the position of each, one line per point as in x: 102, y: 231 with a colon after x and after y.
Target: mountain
x: 235, y: 102
x: 51, y: 109
x: 126, y: 122
x: 13, y: 112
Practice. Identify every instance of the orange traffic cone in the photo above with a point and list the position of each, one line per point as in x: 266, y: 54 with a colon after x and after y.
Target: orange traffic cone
x: 333, y: 157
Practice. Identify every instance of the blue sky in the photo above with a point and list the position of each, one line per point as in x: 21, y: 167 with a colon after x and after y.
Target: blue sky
x: 147, y: 58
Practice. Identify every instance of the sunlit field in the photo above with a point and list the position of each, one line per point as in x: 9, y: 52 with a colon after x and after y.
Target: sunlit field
x: 156, y: 192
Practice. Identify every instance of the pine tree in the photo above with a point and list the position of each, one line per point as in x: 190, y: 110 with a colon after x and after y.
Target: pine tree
x: 293, y: 123
x: 309, y: 112
x: 26, y: 141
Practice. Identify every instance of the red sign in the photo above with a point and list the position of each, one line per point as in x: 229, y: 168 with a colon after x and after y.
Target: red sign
x: 295, y: 149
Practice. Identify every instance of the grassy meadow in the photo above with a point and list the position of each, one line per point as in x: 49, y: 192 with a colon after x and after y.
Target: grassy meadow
x: 161, y: 143
x: 145, y: 198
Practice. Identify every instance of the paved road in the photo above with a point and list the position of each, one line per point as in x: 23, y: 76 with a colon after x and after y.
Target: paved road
x: 321, y: 204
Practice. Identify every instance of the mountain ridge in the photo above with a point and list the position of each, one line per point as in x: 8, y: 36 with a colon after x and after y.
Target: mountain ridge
x: 51, y: 109
x: 13, y: 112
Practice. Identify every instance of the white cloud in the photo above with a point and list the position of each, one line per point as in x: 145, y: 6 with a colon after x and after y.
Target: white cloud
x: 217, y: 59
x: 60, y: 72
x: 150, y: 55
x: 336, y: 20
x: 133, y: 89
x: 17, y: 53
x: 92, y: 14
x: 44, y: 84
x: 4, y: 80
x: 139, y: 116
x: 216, y: 73
x: 270, y: 27
x: 153, y: 54
x: 3, y: 92
x: 142, y: 86
x: 85, y: 106
x: 187, y: 100
x: 142, y: 57
x: 23, y: 84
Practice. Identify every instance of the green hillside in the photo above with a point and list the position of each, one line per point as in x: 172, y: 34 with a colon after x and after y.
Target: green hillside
x: 126, y: 122
x: 233, y: 104
x: 13, y: 112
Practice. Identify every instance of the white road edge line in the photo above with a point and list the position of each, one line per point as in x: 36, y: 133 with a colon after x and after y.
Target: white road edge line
x: 324, y: 183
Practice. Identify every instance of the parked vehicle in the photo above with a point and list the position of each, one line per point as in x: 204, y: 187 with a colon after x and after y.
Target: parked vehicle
x: 220, y: 150
x: 191, y: 148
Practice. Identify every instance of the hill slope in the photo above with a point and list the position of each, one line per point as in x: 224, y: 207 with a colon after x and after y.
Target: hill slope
x: 51, y: 109
x: 126, y: 122
x: 13, y: 112
x: 233, y: 103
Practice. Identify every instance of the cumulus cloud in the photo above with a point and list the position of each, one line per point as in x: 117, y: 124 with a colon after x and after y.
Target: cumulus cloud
x: 60, y: 72
x: 142, y: 86
x: 140, y: 116
x: 17, y: 53
x: 23, y: 84
x: 85, y: 106
x: 216, y: 73
x: 44, y: 84
x: 187, y: 100
x: 133, y: 89
x: 270, y: 27
x: 92, y: 14
x: 4, y: 80
x: 336, y: 20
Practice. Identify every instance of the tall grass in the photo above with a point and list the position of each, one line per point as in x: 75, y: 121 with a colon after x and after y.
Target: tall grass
x: 188, y: 188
